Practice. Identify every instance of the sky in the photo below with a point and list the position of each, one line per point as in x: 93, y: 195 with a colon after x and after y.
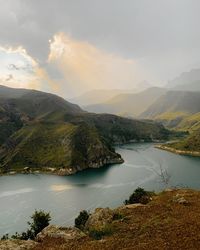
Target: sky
x: 71, y: 46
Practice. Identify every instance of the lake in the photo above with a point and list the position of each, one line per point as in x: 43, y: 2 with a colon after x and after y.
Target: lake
x: 65, y: 196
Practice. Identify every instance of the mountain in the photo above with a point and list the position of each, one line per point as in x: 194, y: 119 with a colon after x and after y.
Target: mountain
x: 45, y: 132
x: 189, y: 81
x: 174, y: 107
x: 97, y: 96
x: 104, y: 95
x: 192, y: 86
x: 128, y: 104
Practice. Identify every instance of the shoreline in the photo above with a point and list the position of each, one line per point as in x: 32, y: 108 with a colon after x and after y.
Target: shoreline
x: 60, y: 171
x: 178, y: 151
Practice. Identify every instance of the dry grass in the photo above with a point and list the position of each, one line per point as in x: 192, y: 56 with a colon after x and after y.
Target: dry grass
x: 162, y: 224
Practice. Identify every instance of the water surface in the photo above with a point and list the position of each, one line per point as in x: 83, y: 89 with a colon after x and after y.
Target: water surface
x: 65, y: 196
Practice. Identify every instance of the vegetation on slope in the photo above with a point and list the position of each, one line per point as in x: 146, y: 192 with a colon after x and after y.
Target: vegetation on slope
x: 170, y: 221
x: 190, y: 145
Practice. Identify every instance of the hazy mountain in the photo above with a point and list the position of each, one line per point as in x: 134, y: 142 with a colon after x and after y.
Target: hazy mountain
x: 41, y: 130
x: 186, y: 81
x: 192, y: 86
x: 104, y: 95
x: 175, y: 109
x: 128, y: 104
x: 97, y: 96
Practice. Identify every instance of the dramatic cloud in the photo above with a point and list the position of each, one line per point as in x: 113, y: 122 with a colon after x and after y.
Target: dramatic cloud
x: 82, y: 66
x: 158, y: 38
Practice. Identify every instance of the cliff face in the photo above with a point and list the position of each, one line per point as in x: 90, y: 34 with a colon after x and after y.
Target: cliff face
x: 171, y: 220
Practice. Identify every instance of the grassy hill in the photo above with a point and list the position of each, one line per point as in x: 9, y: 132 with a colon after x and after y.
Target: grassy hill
x: 188, y: 146
x: 42, y: 131
x: 128, y: 104
x: 170, y: 221
x: 176, y: 109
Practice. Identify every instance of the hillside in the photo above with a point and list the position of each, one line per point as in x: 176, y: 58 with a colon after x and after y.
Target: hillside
x: 188, y: 146
x: 128, y: 104
x: 44, y: 132
x: 170, y: 221
x: 191, y: 86
x: 188, y: 80
x: 175, y: 109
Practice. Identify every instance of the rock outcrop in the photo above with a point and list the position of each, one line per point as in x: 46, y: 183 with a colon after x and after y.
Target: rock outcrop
x: 62, y: 233
x: 99, y: 218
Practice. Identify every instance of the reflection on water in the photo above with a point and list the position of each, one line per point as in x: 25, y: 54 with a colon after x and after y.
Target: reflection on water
x: 65, y: 196
x: 59, y: 188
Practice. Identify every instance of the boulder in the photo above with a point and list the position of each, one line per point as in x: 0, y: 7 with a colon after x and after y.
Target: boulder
x: 56, y: 232
x: 17, y: 244
x: 100, y: 218
x: 180, y: 199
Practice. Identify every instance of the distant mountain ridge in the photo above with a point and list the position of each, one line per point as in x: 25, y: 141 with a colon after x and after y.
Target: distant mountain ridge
x: 175, y: 109
x: 128, y: 104
x: 97, y: 96
x: 188, y: 81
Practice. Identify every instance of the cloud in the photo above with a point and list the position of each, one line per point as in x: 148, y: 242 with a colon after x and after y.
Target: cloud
x: 26, y: 71
x: 84, y: 66
x: 145, y: 31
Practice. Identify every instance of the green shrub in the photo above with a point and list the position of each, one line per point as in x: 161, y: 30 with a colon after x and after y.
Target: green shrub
x: 139, y: 196
x: 5, y: 237
x: 81, y: 219
x: 98, y: 233
x: 40, y: 220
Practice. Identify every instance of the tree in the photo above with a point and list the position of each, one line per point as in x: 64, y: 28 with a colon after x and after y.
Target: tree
x: 40, y: 220
x: 139, y: 196
x: 81, y: 219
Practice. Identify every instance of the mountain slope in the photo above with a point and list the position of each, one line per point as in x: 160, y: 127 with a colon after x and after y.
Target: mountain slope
x: 188, y: 146
x: 192, y: 86
x: 128, y: 104
x: 186, y: 79
x: 97, y: 96
x: 175, y: 109
x: 44, y: 131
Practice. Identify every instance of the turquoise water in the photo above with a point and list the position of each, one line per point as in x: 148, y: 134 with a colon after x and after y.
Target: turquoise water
x: 65, y: 196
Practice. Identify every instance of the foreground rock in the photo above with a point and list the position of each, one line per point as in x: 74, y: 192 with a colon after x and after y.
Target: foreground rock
x: 17, y: 244
x: 100, y: 218
x: 62, y: 233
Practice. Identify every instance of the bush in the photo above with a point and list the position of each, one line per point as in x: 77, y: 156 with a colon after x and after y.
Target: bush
x: 5, y: 237
x: 139, y: 196
x: 40, y: 220
x: 81, y: 219
x: 98, y: 233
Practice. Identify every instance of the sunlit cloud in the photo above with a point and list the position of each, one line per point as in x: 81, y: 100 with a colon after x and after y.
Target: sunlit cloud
x: 72, y: 67
x: 84, y: 66
x: 19, y: 69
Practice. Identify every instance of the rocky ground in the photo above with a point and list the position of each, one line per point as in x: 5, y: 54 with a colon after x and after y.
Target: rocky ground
x: 170, y: 221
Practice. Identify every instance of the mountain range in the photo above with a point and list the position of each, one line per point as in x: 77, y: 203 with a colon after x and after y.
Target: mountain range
x: 43, y: 131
